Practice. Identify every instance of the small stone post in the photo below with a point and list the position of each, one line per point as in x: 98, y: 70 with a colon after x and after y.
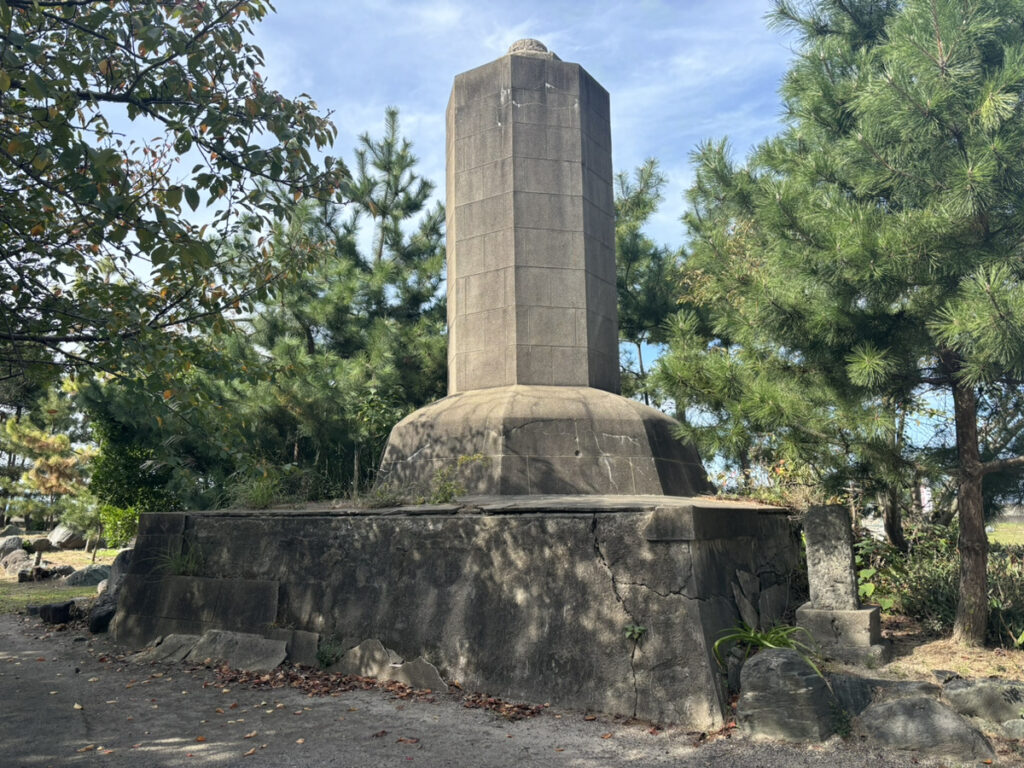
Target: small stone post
x: 834, y: 616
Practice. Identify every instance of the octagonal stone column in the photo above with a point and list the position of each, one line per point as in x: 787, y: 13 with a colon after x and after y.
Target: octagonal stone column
x: 531, y: 226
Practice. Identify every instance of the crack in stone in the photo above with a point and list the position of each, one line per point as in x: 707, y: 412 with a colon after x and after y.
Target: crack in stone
x: 615, y: 590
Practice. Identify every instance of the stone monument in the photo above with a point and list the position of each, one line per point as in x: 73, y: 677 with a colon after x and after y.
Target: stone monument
x: 587, y: 572
x: 533, y: 371
x: 833, y: 616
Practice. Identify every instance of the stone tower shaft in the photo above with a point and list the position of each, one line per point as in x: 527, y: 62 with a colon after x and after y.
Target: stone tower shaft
x: 531, y: 226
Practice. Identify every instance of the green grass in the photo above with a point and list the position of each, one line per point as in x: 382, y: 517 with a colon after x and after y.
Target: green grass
x: 1007, y: 533
x: 14, y: 597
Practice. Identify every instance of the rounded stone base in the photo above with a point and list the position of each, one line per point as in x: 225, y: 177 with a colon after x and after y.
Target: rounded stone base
x: 526, y: 440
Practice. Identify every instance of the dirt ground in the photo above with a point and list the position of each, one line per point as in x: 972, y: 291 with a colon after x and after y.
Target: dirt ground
x: 69, y: 698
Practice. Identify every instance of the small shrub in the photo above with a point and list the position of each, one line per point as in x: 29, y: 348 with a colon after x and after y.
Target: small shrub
x: 329, y: 651
x: 120, y: 524
x: 924, y: 583
x: 186, y: 562
x: 753, y: 640
x: 446, y: 487
x: 257, y: 489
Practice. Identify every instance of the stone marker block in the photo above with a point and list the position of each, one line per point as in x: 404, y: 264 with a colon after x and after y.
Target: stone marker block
x: 830, y: 563
x: 854, y: 636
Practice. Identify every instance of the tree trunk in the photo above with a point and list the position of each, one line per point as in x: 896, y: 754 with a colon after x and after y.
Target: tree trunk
x: 972, y: 607
x: 892, y: 517
x: 643, y: 374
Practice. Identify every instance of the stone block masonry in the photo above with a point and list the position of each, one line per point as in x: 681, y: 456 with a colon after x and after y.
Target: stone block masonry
x: 526, y: 599
x: 531, y: 227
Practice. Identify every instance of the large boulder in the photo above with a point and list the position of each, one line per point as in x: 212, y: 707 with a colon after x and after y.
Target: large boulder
x: 42, y: 544
x: 105, y: 607
x: 88, y: 576
x: 993, y: 700
x: 9, y: 544
x: 12, y: 530
x: 783, y: 697
x: 63, y: 537
x: 922, y: 724
x: 119, y: 568
x: 15, y: 561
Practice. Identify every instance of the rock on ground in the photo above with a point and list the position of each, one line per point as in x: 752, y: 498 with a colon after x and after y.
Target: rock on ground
x: 783, y: 697
x: 63, y: 537
x: 88, y: 576
x: 922, y: 724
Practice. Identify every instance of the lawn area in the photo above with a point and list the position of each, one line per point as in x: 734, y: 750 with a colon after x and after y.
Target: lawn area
x: 14, y: 597
x: 1008, y: 532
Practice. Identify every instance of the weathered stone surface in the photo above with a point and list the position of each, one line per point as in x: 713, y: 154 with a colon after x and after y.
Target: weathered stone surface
x: 15, y: 561
x: 63, y: 537
x: 105, y: 607
x: 419, y: 674
x: 537, y: 440
x: 101, y: 615
x: 993, y: 700
x: 300, y: 646
x: 922, y: 724
x: 853, y: 636
x: 56, y: 613
x: 526, y: 602
x: 11, y: 530
x: 9, y: 544
x: 855, y: 694
x: 531, y: 261
x: 368, y: 659
x: 1013, y: 729
x: 167, y: 650
x: 239, y: 650
x: 191, y: 605
x: 830, y: 564
x: 782, y: 697
x: 88, y: 576
x: 42, y: 544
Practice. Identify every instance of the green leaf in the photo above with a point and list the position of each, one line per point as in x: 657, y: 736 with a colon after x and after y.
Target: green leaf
x: 192, y: 197
x: 5, y: 81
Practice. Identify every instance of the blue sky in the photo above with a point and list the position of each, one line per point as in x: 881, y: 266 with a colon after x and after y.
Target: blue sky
x: 678, y: 72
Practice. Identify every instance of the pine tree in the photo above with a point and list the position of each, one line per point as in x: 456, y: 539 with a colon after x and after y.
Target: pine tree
x: 646, y: 273
x: 875, y: 242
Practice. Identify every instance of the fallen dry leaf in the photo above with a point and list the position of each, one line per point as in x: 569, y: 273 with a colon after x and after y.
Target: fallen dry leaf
x: 249, y: 753
x: 300, y: 741
x: 404, y: 740
x: 87, y: 748
x: 250, y: 735
x: 77, y: 705
x: 200, y: 739
x: 219, y: 711
x: 590, y: 717
x: 606, y: 735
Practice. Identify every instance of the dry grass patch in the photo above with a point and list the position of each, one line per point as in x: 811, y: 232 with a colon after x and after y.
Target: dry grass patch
x: 15, y: 597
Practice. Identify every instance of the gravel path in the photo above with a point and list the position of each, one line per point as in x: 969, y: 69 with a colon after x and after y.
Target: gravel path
x: 68, y: 699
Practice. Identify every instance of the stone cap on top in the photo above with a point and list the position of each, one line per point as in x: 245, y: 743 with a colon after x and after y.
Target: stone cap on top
x: 530, y: 47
